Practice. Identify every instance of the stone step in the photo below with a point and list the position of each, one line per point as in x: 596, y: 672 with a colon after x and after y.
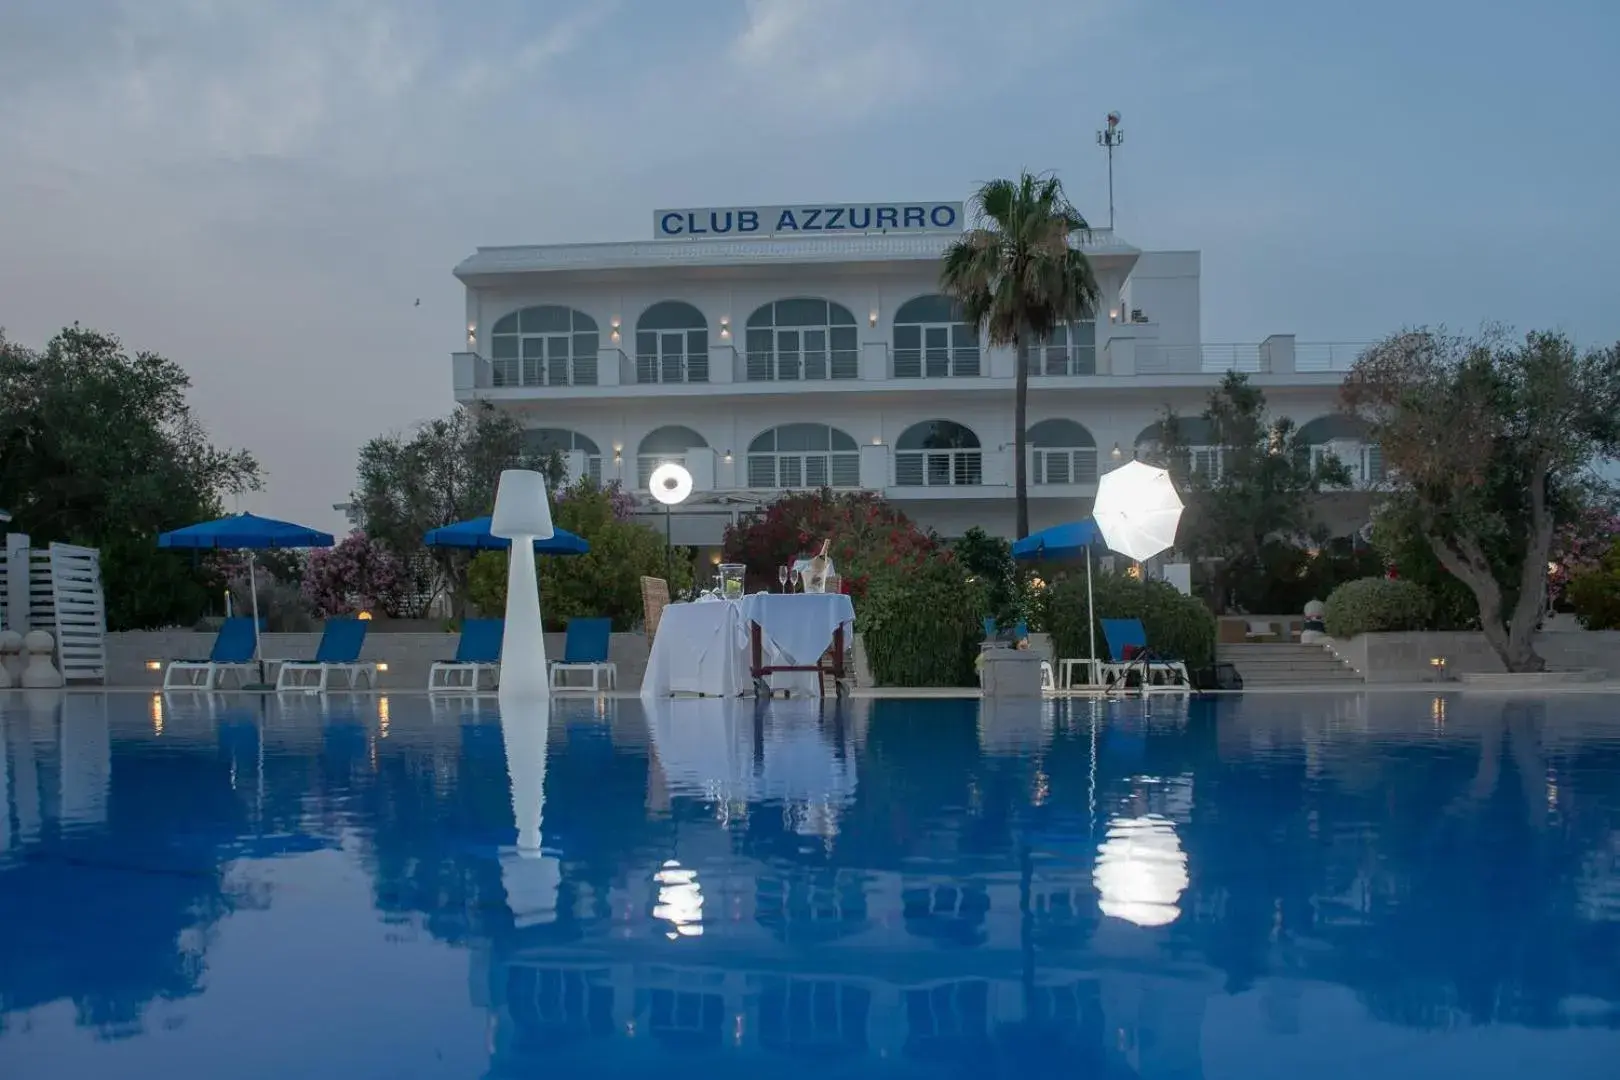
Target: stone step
x: 1285, y: 664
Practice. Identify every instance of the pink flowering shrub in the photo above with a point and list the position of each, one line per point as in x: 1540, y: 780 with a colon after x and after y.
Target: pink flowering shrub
x: 356, y: 575
x: 1578, y: 547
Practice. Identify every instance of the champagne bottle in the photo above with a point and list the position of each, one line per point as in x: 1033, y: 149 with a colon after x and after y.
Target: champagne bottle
x: 820, y: 565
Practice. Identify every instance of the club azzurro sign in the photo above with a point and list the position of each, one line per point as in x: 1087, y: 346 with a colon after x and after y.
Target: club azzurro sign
x: 780, y: 221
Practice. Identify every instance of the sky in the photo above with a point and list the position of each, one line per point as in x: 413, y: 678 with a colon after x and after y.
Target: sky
x: 262, y: 191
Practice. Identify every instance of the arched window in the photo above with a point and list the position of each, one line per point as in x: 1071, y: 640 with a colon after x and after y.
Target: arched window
x: 1347, y: 438
x: 938, y: 452
x: 665, y: 444
x: 1197, y: 438
x: 792, y: 340
x: 544, y: 346
x: 1061, y: 452
x: 1071, y: 350
x: 672, y: 344
x: 564, y: 441
x: 803, y: 456
x: 931, y: 340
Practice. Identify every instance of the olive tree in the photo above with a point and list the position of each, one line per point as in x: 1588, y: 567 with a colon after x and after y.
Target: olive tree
x: 1489, y: 442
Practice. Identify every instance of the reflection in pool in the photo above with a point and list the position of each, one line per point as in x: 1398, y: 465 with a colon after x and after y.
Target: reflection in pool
x: 1260, y: 886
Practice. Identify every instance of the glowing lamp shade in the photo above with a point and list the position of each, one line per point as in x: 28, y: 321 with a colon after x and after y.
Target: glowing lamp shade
x: 1141, y: 871
x: 1137, y: 510
x: 670, y: 483
x: 521, y: 506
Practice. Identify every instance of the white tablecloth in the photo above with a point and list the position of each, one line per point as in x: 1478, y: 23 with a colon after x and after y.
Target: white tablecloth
x: 703, y: 647
x: 800, y: 625
x: 700, y: 648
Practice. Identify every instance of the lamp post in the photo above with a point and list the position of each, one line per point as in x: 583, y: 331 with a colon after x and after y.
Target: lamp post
x: 671, y: 484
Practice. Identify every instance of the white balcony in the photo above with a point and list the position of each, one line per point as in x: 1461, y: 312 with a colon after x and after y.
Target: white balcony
x: 876, y: 367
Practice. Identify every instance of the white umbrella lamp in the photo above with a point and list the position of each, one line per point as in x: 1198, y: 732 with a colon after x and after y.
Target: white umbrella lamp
x: 1137, y: 510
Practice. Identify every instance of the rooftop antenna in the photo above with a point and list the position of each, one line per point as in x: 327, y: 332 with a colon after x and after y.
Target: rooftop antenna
x: 1109, y: 138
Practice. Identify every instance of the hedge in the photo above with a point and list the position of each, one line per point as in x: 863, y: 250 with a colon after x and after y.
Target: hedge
x: 1376, y: 605
x: 1176, y: 625
x: 921, y: 626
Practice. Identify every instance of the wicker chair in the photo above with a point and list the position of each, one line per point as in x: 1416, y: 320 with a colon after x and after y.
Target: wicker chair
x: 835, y: 583
x: 654, y: 599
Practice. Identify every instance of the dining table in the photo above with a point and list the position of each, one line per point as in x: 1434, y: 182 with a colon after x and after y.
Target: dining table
x: 764, y: 643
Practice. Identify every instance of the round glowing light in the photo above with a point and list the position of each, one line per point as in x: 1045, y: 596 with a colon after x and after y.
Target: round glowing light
x: 1141, y: 871
x: 670, y: 483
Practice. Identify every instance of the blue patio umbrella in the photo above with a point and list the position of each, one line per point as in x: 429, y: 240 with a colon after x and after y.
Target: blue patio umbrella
x: 475, y: 535
x: 250, y: 533
x: 1076, y: 538
x: 1060, y: 541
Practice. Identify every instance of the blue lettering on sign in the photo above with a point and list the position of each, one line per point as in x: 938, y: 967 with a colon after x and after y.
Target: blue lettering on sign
x: 797, y: 220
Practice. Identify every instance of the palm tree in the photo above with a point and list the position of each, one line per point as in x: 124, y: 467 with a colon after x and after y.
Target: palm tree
x: 1017, y: 277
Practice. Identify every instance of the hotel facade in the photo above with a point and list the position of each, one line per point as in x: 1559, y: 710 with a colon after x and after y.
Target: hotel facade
x: 777, y: 348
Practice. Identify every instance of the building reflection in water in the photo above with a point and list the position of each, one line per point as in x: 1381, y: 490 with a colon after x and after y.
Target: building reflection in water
x: 1121, y: 888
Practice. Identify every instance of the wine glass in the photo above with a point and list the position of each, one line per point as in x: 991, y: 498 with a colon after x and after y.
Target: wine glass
x: 782, y: 577
x: 796, y: 577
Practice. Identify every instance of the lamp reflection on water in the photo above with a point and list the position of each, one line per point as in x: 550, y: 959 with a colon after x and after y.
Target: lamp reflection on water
x: 1141, y: 871
x: 680, y: 900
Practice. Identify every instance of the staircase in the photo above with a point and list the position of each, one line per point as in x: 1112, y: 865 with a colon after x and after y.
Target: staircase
x: 1287, y: 665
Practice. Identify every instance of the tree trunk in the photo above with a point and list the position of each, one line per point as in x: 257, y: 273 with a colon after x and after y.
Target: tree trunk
x: 1532, y: 580
x: 1467, y: 562
x: 1021, y: 463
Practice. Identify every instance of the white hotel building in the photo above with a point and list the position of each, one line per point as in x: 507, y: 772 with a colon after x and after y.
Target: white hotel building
x: 797, y: 356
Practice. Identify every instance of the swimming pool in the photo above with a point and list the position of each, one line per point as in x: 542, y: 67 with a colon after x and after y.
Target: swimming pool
x: 1259, y: 886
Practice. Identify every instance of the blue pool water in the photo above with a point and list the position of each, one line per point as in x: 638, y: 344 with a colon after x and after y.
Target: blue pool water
x: 1266, y: 886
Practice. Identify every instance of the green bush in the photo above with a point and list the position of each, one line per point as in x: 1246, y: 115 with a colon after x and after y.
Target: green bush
x: 1176, y: 625
x: 606, y: 582
x: 1376, y: 605
x: 921, y: 626
x: 1594, y: 593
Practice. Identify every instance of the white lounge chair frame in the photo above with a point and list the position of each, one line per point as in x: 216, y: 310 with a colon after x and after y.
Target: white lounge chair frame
x: 290, y: 676
x: 441, y: 676
x: 213, y: 674
x: 597, y: 669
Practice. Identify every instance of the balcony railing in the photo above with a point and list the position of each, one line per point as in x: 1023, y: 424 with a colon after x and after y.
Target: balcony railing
x: 672, y: 369
x: 938, y: 468
x: 1070, y: 466
x: 808, y: 470
x: 1120, y: 357
x: 533, y: 371
x: 1364, y: 461
x: 802, y: 366
x: 1049, y: 360
x: 1327, y: 356
x: 964, y: 362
